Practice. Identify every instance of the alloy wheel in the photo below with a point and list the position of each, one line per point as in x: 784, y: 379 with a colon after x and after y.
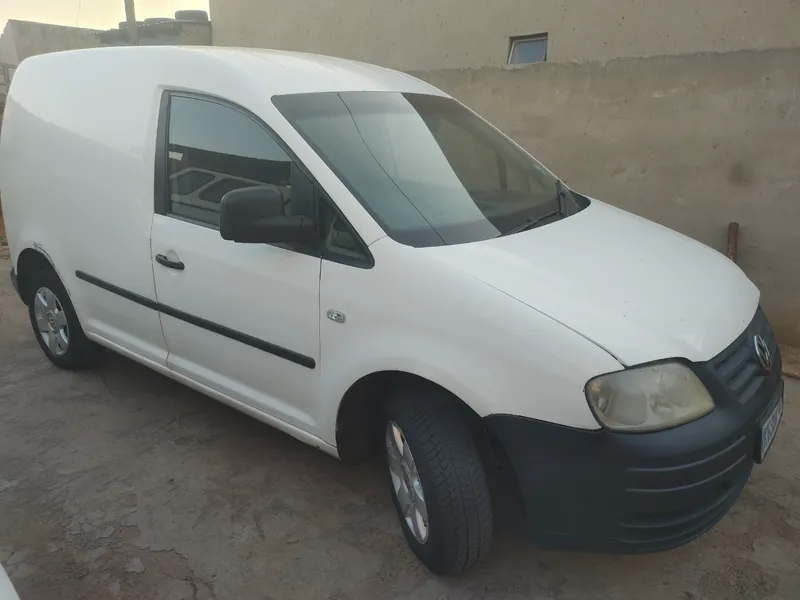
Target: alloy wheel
x: 406, y: 483
x: 51, y: 321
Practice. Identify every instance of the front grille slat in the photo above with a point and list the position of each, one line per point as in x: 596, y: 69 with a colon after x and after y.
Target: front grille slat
x: 690, y: 486
x: 737, y: 367
x: 667, y: 513
x: 724, y: 455
x: 751, y: 388
x: 746, y: 374
x: 729, y: 368
x: 669, y: 534
x: 682, y: 520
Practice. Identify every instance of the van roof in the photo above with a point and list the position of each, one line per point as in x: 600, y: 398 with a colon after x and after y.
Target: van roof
x: 281, y: 72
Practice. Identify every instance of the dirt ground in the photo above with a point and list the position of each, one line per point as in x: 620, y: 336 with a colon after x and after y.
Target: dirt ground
x: 119, y: 483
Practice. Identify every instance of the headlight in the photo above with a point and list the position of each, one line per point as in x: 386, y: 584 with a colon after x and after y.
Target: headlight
x: 648, y: 398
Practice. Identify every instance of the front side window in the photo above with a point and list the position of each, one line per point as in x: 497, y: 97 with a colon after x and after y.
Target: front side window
x: 214, y: 149
x: 428, y: 170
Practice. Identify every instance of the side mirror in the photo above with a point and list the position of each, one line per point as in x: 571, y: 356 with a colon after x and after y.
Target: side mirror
x: 255, y: 215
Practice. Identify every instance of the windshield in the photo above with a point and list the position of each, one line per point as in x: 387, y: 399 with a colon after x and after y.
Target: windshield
x: 427, y: 169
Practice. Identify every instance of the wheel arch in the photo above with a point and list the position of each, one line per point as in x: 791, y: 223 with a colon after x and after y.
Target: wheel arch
x: 29, y: 261
x: 360, y: 410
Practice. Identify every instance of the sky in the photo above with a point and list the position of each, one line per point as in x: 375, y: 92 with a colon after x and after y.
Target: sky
x: 94, y: 14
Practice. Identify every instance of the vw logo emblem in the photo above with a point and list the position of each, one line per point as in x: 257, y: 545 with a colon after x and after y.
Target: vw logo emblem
x: 762, y: 352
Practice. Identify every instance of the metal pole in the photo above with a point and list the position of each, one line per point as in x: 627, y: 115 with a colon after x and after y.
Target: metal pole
x: 733, y: 241
x: 130, y: 15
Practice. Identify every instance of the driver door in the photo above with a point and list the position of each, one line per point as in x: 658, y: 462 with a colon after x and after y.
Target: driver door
x: 240, y: 319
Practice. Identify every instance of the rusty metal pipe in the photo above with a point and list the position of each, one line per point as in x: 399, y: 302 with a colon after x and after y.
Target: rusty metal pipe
x: 133, y: 27
x: 733, y: 241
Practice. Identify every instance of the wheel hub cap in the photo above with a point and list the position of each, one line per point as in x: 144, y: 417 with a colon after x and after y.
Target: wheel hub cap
x: 51, y: 321
x: 406, y: 483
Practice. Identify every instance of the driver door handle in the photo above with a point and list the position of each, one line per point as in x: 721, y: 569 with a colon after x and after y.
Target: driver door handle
x: 170, y: 264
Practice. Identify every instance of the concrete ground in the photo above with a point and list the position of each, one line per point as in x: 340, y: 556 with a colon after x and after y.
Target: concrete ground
x: 119, y: 483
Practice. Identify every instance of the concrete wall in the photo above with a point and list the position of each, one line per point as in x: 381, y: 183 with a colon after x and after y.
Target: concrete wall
x: 193, y: 34
x: 175, y: 33
x: 8, y: 47
x: 30, y: 38
x: 426, y: 34
x: 21, y: 39
x: 692, y: 142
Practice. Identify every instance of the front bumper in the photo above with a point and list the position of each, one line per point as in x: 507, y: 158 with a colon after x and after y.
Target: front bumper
x: 632, y: 493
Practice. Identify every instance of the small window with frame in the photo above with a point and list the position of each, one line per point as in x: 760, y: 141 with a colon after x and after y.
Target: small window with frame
x: 527, y: 49
x: 339, y: 241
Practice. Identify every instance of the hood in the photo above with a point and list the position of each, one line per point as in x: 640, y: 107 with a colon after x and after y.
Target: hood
x: 639, y: 290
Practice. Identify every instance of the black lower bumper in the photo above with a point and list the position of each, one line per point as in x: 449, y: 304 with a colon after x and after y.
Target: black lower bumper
x: 633, y: 493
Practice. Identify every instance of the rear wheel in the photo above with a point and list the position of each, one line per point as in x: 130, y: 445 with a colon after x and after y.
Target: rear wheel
x: 437, y: 480
x: 55, y: 323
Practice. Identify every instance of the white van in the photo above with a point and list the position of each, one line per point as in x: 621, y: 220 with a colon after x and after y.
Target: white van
x: 7, y: 591
x: 370, y: 264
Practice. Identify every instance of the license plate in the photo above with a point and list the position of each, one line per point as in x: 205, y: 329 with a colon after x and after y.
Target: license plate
x: 770, y: 427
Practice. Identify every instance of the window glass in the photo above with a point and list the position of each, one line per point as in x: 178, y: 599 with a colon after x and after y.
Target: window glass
x: 215, y: 149
x: 526, y: 50
x: 428, y: 170
x: 190, y: 180
x: 339, y: 242
x: 220, y: 187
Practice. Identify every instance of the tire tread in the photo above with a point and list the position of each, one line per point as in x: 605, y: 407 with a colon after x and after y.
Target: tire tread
x: 453, y: 478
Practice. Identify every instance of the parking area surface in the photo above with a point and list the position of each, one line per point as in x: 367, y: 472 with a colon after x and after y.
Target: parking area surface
x: 120, y: 483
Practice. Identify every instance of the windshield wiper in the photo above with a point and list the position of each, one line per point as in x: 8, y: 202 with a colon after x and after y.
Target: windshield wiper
x: 532, y: 222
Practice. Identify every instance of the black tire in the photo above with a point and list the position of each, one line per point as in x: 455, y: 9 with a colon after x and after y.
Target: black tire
x: 447, y: 460
x: 80, y: 351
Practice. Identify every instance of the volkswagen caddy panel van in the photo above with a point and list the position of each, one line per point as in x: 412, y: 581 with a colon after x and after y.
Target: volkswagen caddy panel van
x: 352, y: 256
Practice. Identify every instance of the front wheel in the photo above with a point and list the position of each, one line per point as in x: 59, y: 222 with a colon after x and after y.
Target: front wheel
x: 437, y: 480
